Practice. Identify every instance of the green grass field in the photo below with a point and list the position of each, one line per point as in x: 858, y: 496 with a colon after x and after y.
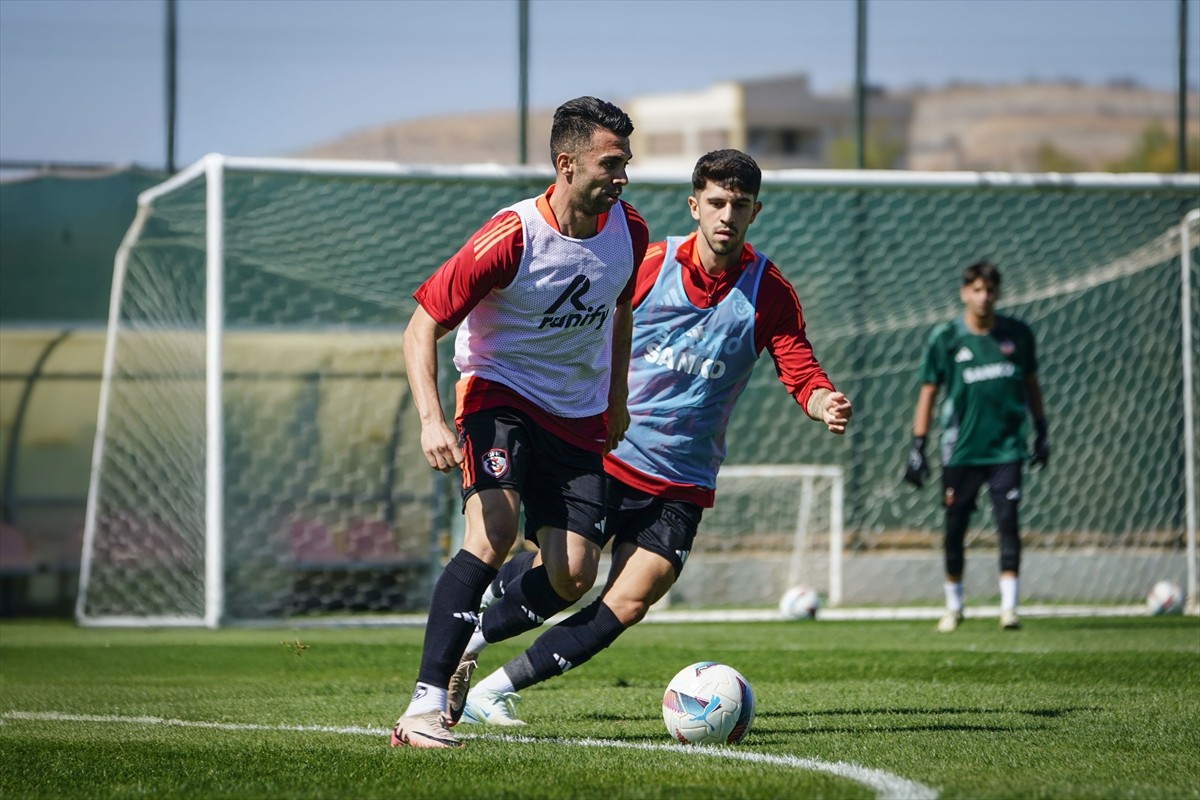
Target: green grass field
x: 1064, y: 708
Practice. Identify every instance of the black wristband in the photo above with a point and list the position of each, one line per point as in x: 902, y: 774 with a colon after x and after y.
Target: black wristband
x: 1041, y: 428
x: 919, y: 443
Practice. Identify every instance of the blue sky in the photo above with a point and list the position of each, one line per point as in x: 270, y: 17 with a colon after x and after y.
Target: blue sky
x: 82, y: 80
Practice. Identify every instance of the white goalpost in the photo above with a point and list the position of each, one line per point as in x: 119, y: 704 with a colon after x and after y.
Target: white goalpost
x: 1188, y: 241
x: 814, y: 537
x: 209, y: 611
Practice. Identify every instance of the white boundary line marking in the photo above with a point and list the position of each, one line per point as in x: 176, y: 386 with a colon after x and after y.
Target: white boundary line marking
x: 886, y: 785
x: 726, y: 615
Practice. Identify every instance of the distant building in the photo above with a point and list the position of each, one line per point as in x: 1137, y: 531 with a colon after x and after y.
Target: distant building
x: 777, y: 120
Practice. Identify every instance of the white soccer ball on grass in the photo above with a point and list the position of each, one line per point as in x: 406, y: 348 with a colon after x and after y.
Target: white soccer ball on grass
x: 1165, y: 597
x: 799, y: 602
x: 708, y: 703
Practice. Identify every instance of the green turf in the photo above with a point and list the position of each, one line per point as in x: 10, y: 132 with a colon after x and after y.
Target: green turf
x: 1064, y: 708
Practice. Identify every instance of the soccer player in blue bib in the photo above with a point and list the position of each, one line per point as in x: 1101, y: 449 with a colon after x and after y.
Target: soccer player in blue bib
x: 988, y: 364
x: 705, y: 308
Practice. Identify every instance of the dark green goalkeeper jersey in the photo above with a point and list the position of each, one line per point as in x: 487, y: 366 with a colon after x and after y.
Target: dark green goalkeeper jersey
x: 983, y: 375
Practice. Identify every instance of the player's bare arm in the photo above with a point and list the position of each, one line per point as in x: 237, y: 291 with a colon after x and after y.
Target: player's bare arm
x: 618, y: 387
x: 439, y: 443
x: 832, y: 408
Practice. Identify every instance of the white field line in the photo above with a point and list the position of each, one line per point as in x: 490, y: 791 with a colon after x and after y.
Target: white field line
x: 731, y: 615
x: 885, y: 785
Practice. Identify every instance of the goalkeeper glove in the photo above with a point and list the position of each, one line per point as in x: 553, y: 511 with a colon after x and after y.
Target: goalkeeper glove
x: 1041, y: 444
x: 917, y: 467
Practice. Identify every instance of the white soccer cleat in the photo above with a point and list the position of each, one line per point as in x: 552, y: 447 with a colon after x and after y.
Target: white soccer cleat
x: 949, y: 622
x: 492, y: 708
x: 1009, y: 621
x: 423, y: 730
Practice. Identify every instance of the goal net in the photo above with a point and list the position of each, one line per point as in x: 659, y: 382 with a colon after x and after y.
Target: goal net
x: 257, y: 454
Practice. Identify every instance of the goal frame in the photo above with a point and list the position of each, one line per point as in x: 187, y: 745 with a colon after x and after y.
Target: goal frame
x: 213, y: 167
x: 808, y: 474
x: 1192, y: 218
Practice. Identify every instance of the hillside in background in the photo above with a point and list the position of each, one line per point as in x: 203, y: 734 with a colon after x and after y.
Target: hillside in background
x: 1005, y: 127
x: 485, y: 137
x: 969, y: 127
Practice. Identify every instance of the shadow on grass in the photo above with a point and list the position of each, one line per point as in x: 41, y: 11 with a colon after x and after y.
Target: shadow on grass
x: 768, y: 735
x: 768, y: 723
x: 777, y: 728
x: 1045, y: 713
x: 603, y: 717
x: 883, y: 712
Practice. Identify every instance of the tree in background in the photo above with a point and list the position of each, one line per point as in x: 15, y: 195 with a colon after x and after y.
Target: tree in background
x: 1155, y: 151
x: 1049, y: 158
x: 884, y: 150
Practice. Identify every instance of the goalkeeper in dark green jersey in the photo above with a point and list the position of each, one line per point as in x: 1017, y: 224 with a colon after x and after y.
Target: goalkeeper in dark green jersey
x: 988, y: 366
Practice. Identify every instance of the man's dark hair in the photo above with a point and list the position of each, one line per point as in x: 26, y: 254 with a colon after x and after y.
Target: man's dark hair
x: 982, y: 269
x: 576, y: 120
x: 731, y: 169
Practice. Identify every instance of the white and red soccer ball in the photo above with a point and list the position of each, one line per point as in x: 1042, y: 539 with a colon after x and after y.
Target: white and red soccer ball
x: 799, y: 602
x: 708, y: 703
x: 1165, y: 597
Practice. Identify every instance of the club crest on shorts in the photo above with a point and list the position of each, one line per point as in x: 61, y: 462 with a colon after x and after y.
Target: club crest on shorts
x: 495, y: 462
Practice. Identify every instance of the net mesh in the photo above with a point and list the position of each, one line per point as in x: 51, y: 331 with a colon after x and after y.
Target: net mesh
x: 329, y: 505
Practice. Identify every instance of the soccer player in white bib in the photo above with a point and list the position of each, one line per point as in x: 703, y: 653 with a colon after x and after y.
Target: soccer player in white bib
x: 988, y: 364
x: 541, y: 298
x: 705, y: 309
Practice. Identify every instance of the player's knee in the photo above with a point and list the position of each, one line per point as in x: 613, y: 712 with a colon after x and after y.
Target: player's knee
x: 629, y: 610
x: 637, y: 613
x: 491, y: 548
x: 491, y: 536
x: 573, y: 582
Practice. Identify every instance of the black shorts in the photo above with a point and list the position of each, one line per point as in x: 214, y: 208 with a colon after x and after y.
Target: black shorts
x: 665, y: 527
x: 561, y: 485
x: 960, y: 485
